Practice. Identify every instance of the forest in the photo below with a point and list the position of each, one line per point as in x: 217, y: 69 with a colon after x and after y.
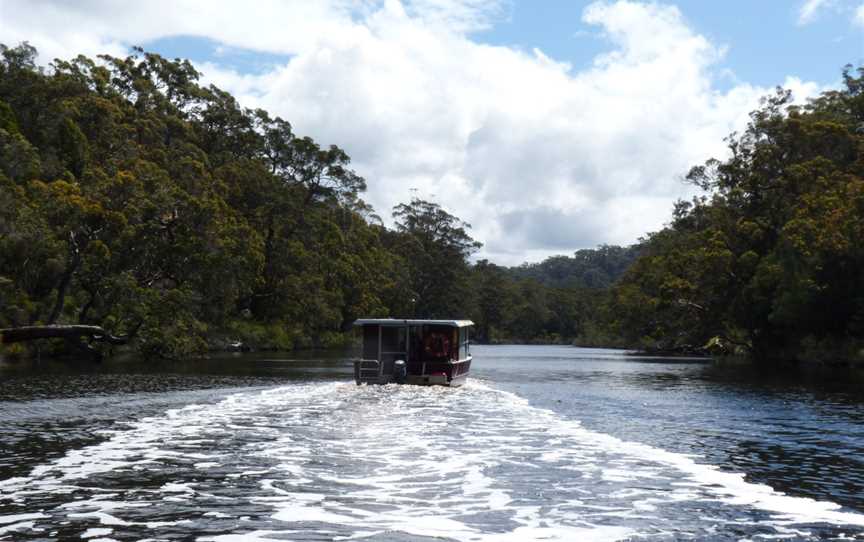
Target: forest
x: 138, y: 201
x: 769, y: 262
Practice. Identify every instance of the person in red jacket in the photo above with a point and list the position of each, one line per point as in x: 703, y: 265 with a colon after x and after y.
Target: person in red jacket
x: 437, y: 346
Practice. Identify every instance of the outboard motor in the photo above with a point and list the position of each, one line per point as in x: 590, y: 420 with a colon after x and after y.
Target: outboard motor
x: 400, y: 371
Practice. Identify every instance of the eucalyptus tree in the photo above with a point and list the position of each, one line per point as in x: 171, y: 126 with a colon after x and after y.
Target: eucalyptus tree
x: 435, y: 246
x: 769, y: 262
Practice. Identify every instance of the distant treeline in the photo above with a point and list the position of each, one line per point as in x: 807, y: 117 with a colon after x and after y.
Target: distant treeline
x: 563, y: 299
x: 135, y: 199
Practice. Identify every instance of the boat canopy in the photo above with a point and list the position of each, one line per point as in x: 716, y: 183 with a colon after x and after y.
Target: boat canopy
x: 412, y: 350
x: 400, y: 322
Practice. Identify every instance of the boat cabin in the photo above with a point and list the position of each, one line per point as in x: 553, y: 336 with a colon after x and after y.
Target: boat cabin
x: 413, y: 351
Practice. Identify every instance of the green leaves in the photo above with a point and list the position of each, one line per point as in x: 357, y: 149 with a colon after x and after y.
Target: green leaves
x: 772, y: 261
x: 136, y: 199
x: 19, y: 160
x: 435, y: 246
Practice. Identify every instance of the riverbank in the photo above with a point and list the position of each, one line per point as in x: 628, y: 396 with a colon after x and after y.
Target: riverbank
x: 253, y: 338
x: 236, y: 337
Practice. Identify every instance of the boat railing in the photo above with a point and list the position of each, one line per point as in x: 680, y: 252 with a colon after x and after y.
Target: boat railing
x: 367, y: 370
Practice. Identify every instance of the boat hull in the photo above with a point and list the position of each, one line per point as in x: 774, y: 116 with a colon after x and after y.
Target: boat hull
x: 452, y: 374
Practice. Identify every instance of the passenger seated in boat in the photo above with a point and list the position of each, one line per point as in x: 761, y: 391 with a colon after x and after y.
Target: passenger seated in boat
x: 437, y: 346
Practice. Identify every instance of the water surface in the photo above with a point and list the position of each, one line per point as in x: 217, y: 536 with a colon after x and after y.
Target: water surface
x: 542, y: 443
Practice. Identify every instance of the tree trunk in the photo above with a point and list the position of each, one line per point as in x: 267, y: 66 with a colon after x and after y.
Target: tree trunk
x: 66, y: 279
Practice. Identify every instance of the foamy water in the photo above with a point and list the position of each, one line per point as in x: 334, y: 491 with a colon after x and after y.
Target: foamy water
x: 333, y: 461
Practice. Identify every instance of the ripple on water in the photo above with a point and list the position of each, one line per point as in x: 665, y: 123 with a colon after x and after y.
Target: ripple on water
x: 332, y: 460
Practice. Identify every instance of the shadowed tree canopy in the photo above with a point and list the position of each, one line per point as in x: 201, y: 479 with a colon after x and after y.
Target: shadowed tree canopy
x: 435, y: 246
x: 136, y: 203
x: 136, y: 200
x: 770, y: 261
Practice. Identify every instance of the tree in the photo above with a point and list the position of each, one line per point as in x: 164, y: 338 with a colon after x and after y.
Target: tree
x: 495, y: 295
x: 436, y: 246
x: 137, y: 201
x: 767, y: 263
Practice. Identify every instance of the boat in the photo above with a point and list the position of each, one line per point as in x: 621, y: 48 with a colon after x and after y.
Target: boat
x: 423, y: 352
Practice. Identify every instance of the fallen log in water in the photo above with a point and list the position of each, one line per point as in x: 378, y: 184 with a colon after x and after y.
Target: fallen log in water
x: 32, y: 333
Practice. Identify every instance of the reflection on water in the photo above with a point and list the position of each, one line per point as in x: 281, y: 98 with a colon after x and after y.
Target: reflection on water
x: 547, y: 443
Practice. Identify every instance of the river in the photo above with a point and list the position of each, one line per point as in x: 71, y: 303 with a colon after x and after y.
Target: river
x: 542, y: 443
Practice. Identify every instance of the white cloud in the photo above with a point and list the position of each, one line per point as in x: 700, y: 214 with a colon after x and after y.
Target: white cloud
x: 459, y: 15
x: 859, y: 16
x: 540, y: 158
x: 809, y: 9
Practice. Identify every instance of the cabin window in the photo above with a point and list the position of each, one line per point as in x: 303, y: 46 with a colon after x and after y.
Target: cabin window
x: 438, y: 343
x: 394, y: 340
x: 415, y: 351
x: 394, y: 345
x: 370, y: 342
x: 464, y: 343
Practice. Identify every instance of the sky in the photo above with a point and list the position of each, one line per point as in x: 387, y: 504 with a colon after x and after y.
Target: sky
x: 548, y: 125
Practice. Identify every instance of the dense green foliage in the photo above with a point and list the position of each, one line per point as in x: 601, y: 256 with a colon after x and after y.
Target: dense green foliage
x: 133, y: 198
x: 596, y: 268
x: 771, y: 262
x: 560, y: 300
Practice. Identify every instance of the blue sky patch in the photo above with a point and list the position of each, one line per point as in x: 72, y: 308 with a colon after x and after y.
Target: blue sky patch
x: 199, y: 50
